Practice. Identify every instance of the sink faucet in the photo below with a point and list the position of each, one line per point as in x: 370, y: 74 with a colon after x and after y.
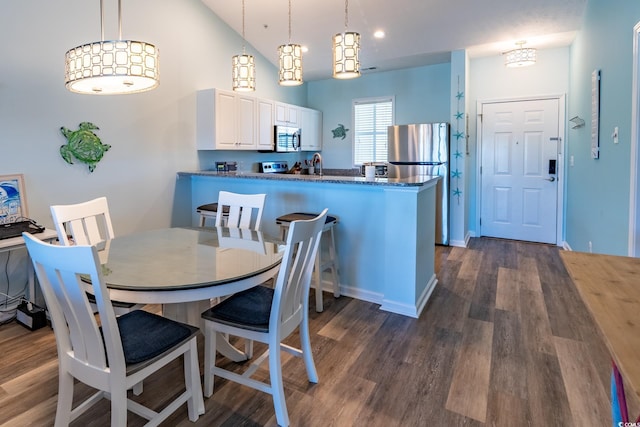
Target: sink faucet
x: 319, y: 160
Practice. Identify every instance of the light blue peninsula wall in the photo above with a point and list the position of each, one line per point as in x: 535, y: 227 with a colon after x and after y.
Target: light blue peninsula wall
x: 385, y: 235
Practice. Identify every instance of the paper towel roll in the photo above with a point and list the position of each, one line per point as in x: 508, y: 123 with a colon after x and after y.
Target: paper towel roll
x: 370, y: 172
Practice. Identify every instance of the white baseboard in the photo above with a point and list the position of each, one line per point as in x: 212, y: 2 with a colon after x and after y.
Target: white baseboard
x: 458, y: 243
x: 566, y: 246
x: 408, y: 309
x: 348, y: 291
x: 462, y: 243
x: 386, y: 304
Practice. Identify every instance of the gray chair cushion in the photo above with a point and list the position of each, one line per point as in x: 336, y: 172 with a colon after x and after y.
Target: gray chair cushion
x: 212, y: 207
x: 248, y: 309
x: 297, y: 216
x: 146, y: 335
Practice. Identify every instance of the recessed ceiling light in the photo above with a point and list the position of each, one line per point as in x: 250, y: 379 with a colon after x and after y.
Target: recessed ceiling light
x: 305, y: 49
x: 379, y: 34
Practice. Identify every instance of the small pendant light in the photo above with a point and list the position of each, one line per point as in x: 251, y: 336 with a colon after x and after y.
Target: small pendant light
x: 520, y: 57
x: 346, y: 51
x: 112, y: 67
x: 290, y: 56
x: 243, y: 67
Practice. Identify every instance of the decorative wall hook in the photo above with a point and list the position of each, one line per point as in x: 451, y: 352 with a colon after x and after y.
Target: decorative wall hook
x: 577, y: 122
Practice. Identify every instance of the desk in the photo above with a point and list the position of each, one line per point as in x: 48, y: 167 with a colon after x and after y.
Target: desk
x: 182, y: 268
x: 7, y: 245
x: 609, y: 288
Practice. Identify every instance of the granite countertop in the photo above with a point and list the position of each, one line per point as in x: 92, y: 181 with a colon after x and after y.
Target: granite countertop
x: 414, y: 181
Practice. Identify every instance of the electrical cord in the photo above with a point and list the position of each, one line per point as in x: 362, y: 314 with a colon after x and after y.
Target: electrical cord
x: 11, y: 301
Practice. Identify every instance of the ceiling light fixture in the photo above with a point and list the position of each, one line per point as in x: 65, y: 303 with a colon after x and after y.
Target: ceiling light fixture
x: 379, y: 34
x: 112, y: 67
x: 243, y: 67
x: 520, y: 57
x: 346, y: 51
x: 290, y: 61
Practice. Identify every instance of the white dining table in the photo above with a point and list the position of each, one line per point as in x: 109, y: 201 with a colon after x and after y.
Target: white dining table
x: 184, y: 268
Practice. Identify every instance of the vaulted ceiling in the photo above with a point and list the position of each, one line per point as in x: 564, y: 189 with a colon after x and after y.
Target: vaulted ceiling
x: 417, y: 32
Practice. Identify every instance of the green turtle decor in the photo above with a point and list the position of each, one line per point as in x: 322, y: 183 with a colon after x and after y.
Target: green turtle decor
x: 340, y: 132
x: 83, y: 144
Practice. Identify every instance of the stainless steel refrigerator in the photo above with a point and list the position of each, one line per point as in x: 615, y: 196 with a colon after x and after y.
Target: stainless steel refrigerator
x: 423, y: 149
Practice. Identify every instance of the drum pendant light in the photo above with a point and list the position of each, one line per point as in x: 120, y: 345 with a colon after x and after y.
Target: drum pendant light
x: 520, y: 57
x: 243, y: 68
x: 346, y: 51
x: 290, y: 56
x: 112, y: 67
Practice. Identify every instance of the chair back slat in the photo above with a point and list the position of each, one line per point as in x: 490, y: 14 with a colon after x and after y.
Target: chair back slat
x: 291, y: 295
x: 60, y: 270
x: 245, y: 210
x: 88, y: 223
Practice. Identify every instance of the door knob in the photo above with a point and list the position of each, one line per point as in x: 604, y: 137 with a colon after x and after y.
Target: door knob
x: 553, y: 178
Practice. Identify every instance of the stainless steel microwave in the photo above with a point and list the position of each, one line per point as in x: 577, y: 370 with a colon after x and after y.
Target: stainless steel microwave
x: 287, y: 139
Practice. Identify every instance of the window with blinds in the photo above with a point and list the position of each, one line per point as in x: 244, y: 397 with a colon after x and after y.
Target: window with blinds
x: 371, y: 119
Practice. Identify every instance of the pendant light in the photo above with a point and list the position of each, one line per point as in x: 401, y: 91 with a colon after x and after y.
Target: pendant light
x: 290, y: 56
x: 346, y: 51
x: 243, y: 67
x: 520, y: 57
x: 112, y: 67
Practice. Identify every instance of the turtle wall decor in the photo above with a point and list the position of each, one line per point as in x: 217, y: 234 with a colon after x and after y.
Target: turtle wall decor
x: 340, y: 131
x: 83, y: 145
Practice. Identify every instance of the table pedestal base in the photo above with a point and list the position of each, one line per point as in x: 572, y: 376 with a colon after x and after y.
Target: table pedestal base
x: 189, y: 312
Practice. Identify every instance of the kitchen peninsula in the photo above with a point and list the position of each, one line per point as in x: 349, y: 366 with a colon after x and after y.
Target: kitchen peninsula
x: 385, y: 236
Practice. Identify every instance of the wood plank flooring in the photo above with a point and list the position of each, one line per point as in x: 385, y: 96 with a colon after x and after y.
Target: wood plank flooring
x: 504, y: 341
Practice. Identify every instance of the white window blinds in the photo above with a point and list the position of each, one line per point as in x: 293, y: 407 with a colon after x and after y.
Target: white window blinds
x: 371, y: 119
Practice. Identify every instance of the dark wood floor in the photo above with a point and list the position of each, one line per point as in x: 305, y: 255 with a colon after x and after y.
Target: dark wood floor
x: 504, y: 341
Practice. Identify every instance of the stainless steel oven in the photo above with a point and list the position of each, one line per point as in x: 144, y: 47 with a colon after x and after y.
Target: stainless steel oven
x: 287, y: 139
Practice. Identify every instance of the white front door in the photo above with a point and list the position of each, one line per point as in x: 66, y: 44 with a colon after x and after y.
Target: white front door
x: 519, y: 166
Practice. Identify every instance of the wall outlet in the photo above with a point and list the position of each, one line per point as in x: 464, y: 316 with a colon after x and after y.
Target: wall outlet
x: 590, y: 247
x: 571, y: 161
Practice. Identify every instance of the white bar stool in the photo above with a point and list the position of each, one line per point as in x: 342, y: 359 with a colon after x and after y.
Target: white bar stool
x: 320, y: 265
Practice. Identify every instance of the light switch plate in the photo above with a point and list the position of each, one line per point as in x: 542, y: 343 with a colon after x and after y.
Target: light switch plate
x: 614, y: 135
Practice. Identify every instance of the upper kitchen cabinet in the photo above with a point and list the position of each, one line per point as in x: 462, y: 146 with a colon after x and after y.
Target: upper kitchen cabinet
x: 225, y: 121
x: 286, y: 114
x: 265, y: 124
x: 311, y: 125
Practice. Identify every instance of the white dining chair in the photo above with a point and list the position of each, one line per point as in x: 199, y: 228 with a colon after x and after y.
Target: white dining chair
x: 87, y: 223
x: 116, y: 354
x: 240, y: 211
x: 269, y: 315
x: 245, y: 210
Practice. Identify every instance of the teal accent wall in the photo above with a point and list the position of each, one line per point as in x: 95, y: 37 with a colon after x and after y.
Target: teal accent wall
x: 421, y: 96
x: 597, y: 196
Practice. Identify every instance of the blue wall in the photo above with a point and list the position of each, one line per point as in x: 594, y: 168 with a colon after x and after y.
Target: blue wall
x: 597, y: 196
x: 421, y: 96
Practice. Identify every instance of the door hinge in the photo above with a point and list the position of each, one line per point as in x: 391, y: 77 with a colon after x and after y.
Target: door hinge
x: 480, y: 221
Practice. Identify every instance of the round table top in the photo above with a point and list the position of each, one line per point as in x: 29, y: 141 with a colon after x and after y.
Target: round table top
x: 178, y: 259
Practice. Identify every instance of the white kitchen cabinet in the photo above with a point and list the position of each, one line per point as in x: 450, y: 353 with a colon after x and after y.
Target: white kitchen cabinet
x: 265, y: 124
x: 246, y: 122
x: 286, y: 114
x: 311, y: 129
x: 225, y: 121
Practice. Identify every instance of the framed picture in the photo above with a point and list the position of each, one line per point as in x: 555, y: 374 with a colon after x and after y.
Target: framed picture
x: 13, y: 199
